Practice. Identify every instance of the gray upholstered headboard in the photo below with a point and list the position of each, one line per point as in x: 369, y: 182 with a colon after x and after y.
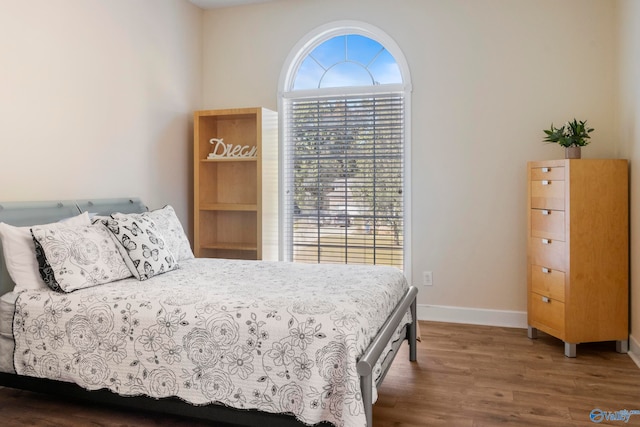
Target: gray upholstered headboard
x: 32, y: 213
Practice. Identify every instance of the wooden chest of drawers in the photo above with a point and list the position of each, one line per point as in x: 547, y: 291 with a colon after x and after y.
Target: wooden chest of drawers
x: 578, y: 251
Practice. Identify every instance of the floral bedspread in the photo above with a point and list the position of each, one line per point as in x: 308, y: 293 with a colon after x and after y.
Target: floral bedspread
x: 278, y: 337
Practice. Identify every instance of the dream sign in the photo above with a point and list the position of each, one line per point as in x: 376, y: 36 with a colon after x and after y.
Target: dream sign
x: 222, y: 150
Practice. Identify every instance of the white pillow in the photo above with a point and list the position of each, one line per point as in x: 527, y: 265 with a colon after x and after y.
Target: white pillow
x: 171, y: 229
x: 20, y: 256
x: 78, y: 257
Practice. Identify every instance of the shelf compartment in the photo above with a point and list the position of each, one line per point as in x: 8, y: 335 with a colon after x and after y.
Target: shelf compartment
x: 228, y: 183
x: 228, y: 230
x: 233, y: 126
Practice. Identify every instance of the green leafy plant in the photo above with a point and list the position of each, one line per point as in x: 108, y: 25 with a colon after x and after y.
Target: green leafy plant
x: 573, y: 133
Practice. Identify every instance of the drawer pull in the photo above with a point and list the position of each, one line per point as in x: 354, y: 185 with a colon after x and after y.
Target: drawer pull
x: 545, y: 170
x: 546, y: 212
x: 545, y: 270
x: 546, y: 241
x: 545, y: 299
x: 545, y: 182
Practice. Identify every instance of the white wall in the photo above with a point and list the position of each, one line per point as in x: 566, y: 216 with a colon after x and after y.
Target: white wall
x: 96, y: 99
x: 629, y: 130
x: 488, y: 77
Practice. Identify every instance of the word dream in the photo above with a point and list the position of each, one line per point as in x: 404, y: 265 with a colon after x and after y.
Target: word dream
x: 222, y: 150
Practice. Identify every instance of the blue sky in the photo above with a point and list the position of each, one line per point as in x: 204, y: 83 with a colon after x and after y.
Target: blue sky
x: 348, y: 60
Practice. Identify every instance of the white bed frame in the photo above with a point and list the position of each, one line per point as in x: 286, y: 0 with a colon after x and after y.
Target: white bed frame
x: 31, y: 213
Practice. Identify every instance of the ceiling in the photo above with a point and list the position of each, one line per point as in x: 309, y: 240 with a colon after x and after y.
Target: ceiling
x: 213, y: 4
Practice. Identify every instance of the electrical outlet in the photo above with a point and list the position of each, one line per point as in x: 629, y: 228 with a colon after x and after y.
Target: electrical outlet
x: 428, y: 278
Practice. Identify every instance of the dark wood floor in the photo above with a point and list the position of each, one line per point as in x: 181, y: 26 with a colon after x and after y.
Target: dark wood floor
x: 465, y: 376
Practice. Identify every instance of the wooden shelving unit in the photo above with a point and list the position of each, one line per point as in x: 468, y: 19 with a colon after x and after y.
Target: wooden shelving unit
x: 236, y: 198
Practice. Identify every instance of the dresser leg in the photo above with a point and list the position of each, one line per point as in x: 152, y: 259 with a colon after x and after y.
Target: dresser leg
x: 569, y: 349
x: 532, y: 332
x: 622, y: 346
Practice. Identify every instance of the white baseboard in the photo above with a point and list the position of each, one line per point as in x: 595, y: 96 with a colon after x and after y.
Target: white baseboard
x: 473, y: 316
x: 634, y: 350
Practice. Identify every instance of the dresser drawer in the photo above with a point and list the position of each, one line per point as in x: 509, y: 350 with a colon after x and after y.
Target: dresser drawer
x: 547, y: 282
x: 547, y: 194
x: 547, y: 223
x: 551, y: 173
x: 547, y: 253
x: 546, y: 312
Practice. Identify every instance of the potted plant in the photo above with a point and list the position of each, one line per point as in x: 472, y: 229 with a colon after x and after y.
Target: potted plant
x: 572, y: 136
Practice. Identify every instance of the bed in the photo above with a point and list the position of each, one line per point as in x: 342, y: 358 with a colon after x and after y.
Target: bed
x: 233, y: 341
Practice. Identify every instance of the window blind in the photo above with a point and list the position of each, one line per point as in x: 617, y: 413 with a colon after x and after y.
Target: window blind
x: 344, y: 179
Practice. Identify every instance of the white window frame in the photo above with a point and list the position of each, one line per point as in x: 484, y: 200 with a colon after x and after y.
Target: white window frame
x: 287, y: 77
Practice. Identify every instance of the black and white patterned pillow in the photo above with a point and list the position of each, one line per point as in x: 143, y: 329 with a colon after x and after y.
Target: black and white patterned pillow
x: 170, y: 227
x: 141, y: 245
x: 17, y: 245
x: 77, y: 257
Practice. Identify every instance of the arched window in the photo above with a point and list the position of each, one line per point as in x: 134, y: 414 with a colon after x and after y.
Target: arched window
x: 344, y: 96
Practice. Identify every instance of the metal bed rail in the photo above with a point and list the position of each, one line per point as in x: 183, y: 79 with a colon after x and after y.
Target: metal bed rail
x: 372, y: 353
